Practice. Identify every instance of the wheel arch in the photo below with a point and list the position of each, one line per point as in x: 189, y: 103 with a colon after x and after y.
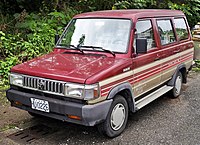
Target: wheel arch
x: 125, y: 90
x: 181, y: 68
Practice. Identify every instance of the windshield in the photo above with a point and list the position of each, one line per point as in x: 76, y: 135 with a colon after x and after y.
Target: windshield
x: 110, y: 34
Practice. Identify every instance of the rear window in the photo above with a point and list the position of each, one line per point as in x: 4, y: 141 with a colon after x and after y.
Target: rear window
x: 181, y: 28
x: 166, y: 31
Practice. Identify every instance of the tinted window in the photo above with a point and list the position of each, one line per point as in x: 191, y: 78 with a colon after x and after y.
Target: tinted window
x: 166, y: 32
x: 144, y: 30
x: 181, y: 28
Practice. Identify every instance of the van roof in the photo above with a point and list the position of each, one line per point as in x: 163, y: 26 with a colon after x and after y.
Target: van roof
x: 131, y: 13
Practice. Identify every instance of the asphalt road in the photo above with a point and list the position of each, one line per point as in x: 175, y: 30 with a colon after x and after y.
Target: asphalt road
x: 164, y: 121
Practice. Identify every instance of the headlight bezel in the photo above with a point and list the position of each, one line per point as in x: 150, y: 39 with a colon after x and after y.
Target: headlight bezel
x: 86, y: 92
x: 16, y: 79
x: 69, y: 87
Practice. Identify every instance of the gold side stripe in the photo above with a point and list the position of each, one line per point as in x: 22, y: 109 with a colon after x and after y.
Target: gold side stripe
x: 116, y: 78
x: 146, y: 81
x: 137, y: 85
x: 142, y: 68
x: 151, y: 88
x: 126, y: 80
x: 162, y: 61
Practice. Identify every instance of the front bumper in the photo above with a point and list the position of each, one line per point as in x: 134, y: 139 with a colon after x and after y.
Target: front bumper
x: 59, y: 109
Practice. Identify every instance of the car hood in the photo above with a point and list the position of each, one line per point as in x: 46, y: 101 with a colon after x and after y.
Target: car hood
x: 69, y: 67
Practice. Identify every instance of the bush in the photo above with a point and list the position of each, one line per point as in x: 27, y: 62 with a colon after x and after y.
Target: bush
x: 32, y: 36
x: 190, y: 8
x: 196, y: 66
x: 27, y: 35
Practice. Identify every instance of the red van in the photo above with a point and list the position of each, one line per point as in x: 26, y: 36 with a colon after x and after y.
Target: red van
x: 104, y: 65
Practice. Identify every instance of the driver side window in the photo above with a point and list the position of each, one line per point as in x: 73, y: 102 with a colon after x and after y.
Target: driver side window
x: 144, y: 29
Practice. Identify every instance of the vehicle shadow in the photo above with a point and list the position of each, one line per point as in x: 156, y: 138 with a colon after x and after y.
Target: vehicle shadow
x: 69, y: 133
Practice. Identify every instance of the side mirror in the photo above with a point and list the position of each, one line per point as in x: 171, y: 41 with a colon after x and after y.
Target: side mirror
x: 141, y: 45
x: 56, y: 38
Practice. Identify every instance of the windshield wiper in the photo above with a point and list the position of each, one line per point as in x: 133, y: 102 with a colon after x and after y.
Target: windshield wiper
x: 101, y: 48
x: 73, y: 46
x: 77, y: 48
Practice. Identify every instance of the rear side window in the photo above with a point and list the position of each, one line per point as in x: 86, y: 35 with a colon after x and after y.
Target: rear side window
x: 181, y: 28
x: 144, y: 30
x: 166, y: 31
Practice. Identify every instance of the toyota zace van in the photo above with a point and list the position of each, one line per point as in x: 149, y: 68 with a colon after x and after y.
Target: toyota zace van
x: 105, y: 65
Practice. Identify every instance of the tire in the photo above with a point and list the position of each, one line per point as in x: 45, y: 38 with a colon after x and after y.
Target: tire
x: 116, y: 119
x: 176, y: 91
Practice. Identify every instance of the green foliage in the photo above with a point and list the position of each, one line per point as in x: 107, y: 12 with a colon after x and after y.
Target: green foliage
x: 6, y: 65
x: 93, y: 5
x: 134, y: 4
x: 32, y: 36
x: 121, y: 5
x: 27, y: 28
x: 190, y: 8
x: 196, y: 66
x: 6, y: 127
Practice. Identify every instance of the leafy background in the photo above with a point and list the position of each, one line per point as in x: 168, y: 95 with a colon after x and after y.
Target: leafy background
x: 27, y: 27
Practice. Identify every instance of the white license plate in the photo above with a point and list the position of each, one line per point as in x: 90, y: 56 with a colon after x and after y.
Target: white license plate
x: 40, y: 105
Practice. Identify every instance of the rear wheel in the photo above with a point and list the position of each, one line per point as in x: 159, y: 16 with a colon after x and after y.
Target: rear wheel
x: 176, y: 91
x: 117, y: 117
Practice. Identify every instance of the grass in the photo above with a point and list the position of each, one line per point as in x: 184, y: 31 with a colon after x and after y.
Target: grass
x: 6, y: 127
x: 196, y: 66
x: 3, y: 99
x: 3, y: 102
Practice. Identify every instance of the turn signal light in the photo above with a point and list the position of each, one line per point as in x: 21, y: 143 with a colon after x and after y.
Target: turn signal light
x: 96, y: 94
x: 18, y: 103
x: 74, y: 117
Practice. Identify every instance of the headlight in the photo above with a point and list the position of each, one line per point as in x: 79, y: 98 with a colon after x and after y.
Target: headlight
x: 86, y: 92
x: 16, y: 79
x: 74, y: 90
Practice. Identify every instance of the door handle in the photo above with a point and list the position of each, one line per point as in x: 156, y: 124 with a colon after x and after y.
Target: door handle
x: 157, y: 58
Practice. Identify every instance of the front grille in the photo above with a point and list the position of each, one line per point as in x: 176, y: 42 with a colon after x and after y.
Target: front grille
x: 43, y: 84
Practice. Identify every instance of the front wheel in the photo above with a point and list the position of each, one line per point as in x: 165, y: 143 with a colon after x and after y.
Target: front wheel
x: 176, y: 91
x: 116, y: 119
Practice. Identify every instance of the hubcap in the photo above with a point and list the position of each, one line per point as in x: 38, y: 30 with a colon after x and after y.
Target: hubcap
x: 118, y: 116
x: 178, y: 84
